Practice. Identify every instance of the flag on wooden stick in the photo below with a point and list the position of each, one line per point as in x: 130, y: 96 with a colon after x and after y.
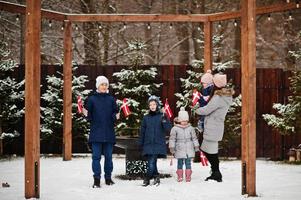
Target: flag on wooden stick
x: 196, y: 95
x: 79, y: 105
x: 125, y: 107
x: 167, y: 109
x: 204, y: 160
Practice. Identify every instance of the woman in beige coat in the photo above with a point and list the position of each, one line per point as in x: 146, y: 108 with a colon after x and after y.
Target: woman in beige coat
x: 183, y: 144
x: 215, y: 112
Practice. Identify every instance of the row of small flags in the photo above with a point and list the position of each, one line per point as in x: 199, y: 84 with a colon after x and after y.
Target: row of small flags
x: 126, y: 111
x: 196, y: 95
x: 124, y: 107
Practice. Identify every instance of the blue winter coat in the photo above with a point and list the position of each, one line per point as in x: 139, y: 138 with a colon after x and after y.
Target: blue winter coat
x: 152, y: 134
x: 102, y: 109
x: 205, y: 92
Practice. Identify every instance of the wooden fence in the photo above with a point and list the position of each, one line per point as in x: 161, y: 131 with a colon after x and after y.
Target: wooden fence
x: 272, y: 87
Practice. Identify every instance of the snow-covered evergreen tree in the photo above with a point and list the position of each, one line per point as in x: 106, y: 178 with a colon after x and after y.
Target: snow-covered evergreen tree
x: 11, y: 95
x: 288, y: 117
x: 52, y: 110
x: 233, y: 120
x: 136, y: 84
x: 232, y: 132
x: 194, y: 75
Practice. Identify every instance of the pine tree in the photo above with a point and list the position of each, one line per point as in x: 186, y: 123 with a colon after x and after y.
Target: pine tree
x: 137, y: 85
x: 194, y: 75
x: 11, y: 95
x: 52, y: 110
x: 287, y: 120
x: 232, y: 131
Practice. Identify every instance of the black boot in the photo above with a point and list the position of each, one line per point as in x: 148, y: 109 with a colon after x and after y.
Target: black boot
x: 157, y: 180
x: 109, y: 182
x: 216, y: 175
x: 146, y: 181
x: 96, y: 183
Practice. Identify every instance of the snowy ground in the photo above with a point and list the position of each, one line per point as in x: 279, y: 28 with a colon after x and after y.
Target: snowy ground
x: 72, y: 180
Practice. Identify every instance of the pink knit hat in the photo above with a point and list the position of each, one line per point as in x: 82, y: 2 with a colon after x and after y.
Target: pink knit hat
x: 207, y: 77
x: 220, y: 80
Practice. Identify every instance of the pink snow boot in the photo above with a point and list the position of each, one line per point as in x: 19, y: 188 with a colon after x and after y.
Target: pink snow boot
x: 180, y: 175
x: 188, y: 173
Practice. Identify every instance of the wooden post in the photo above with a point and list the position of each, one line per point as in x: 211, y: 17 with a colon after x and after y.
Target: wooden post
x: 67, y: 140
x: 32, y: 98
x: 208, y: 46
x: 248, y: 76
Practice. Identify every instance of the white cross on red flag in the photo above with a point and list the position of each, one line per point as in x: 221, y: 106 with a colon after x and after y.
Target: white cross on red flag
x: 196, y: 95
x: 167, y: 109
x: 79, y: 104
x: 125, y: 107
x: 204, y: 160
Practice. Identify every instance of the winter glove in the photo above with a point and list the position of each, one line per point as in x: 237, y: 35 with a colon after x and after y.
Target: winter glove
x: 172, y: 150
x: 197, y: 148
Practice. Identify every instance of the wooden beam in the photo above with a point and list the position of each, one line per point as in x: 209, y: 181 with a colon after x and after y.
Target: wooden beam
x: 279, y: 7
x: 137, y: 18
x: 248, y: 89
x: 224, y: 16
x: 21, y: 9
x: 208, y: 46
x: 32, y: 99
x: 67, y: 101
x: 53, y: 15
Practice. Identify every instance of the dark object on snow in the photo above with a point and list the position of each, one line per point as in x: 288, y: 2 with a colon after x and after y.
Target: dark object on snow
x: 292, y: 155
x: 109, y: 182
x: 96, y: 183
x: 5, y: 185
x: 146, y: 181
x: 157, y: 180
x: 130, y: 177
x: 216, y: 175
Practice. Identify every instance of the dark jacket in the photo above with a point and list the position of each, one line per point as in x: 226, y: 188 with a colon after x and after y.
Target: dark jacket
x: 152, y: 134
x: 205, y: 92
x: 102, y: 109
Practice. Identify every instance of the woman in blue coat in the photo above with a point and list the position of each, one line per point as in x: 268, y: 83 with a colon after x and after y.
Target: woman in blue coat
x: 102, y: 114
x: 152, y: 138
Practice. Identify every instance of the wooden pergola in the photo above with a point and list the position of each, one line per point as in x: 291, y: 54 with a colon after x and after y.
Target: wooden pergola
x: 34, y: 13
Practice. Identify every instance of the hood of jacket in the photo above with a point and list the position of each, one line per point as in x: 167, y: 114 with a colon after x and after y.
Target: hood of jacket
x: 226, y: 94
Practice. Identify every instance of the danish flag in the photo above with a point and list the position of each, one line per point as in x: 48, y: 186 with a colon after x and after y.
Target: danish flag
x: 125, y: 107
x: 167, y: 109
x: 204, y: 160
x: 79, y: 104
x: 196, y: 95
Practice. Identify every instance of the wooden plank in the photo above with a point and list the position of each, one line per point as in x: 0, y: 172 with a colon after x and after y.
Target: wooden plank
x: 207, y: 46
x: 67, y: 71
x: 137, y: 18
x: 21, y: 9
x: 32, y: 99
x: 53, y: 15
x: 248, y: 67
x: 223, y: 16
x: 279, y: 7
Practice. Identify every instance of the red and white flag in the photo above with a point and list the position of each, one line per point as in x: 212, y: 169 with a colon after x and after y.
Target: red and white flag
x: 79, y: 104
x: 125, y: 107
x: 196, y: 95
x: 167, y: 109
x: 204, y: 160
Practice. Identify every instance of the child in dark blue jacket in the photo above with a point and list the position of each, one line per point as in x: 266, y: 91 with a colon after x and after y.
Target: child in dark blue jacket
x: 207, y: 87
x: 102, y: 112
x: 152, y: 138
